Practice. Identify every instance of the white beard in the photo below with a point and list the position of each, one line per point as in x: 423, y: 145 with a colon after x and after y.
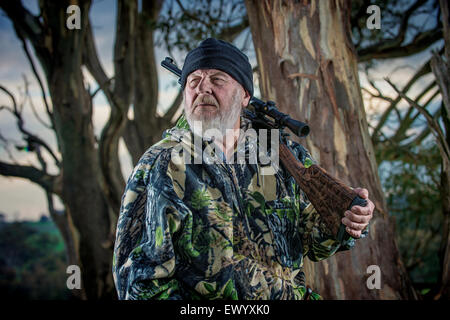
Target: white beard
x: 225, y: 119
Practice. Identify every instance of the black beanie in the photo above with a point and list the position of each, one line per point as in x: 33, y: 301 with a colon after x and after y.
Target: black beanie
x: 220, y: 55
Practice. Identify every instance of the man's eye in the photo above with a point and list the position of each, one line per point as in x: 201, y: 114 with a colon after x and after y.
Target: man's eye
x: 193, y: 81
x: 218, y: 80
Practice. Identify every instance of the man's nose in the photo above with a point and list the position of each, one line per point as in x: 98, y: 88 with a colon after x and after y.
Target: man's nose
x: 204, y: 86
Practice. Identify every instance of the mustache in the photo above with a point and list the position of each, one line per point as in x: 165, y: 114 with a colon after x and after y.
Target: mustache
x: 205, y: 99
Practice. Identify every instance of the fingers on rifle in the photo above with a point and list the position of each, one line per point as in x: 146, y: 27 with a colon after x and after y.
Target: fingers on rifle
x: 364, y: 211
x: 359, y: 210
x: 353, y: 225
x: 353, y: 233
x: 358, y: 218
x: 357, y: 226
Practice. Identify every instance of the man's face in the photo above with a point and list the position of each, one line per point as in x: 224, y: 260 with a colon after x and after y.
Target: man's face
x: 215, y: 99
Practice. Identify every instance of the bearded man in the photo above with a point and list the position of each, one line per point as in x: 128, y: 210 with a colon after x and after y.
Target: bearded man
x: 219, y: 230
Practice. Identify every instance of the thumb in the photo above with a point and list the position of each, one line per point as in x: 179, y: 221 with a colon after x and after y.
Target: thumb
x: 362, y: 192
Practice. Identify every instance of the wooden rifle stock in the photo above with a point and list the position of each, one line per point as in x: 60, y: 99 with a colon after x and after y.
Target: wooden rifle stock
x: 329, y: 196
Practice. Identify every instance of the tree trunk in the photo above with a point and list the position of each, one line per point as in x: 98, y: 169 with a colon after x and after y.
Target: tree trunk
x: 308, y: 66
x: 81, y: 190
x: 146, y: 128
x: 444, y: 250
x: 441, y: 70
x: 59, y: 50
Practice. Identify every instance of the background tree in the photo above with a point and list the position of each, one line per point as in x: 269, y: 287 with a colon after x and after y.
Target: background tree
x: 312, y: 74
x: 403, y: 137
x: 89, y: 181
x: 80, y: 183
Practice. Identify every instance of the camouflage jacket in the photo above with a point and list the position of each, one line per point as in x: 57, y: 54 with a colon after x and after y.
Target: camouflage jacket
x: 215, y: 231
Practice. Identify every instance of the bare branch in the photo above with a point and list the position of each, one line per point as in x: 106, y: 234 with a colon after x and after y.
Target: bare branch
x: 124, y: 55
x: 28, y: 26
x: 191, y: 16
x: 33, y: 109
x: 46, y: 181
x: 31, y: 138
x: 101, y: 87
x: 425, y: 69
x: 6, y: 143
x: 383, y: 51
x: 38, y: 78
x: 441, y: 69
x: 230, y: 33
x: 405, y: 21
x: 174, y: 107
x: 434, y: 125
x: 93, y: 64
x: 424, y: 133
x: 407, y: 120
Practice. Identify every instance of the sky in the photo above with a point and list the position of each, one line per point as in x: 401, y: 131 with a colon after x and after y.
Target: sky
x: 20, y: 199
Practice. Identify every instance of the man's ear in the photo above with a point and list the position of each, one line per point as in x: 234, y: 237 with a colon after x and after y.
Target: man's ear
x: 245, y: 99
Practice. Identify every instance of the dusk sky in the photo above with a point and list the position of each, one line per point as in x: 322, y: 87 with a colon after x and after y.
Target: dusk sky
x: 21, y: 199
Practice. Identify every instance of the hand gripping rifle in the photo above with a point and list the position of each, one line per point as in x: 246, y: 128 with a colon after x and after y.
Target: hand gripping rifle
x: 329, y: 196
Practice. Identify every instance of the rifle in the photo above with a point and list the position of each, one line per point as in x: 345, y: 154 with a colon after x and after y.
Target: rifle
x: 329, y: 196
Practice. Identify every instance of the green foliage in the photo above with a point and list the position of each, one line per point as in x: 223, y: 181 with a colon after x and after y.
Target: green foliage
x: 200, y: 199
x: 159, y: 236
x: 259, y: 198
x: 221, y: 211
x: 182, y: 122
x: 414, y: 200
x: 230, y: 291
x: 32, y: 261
